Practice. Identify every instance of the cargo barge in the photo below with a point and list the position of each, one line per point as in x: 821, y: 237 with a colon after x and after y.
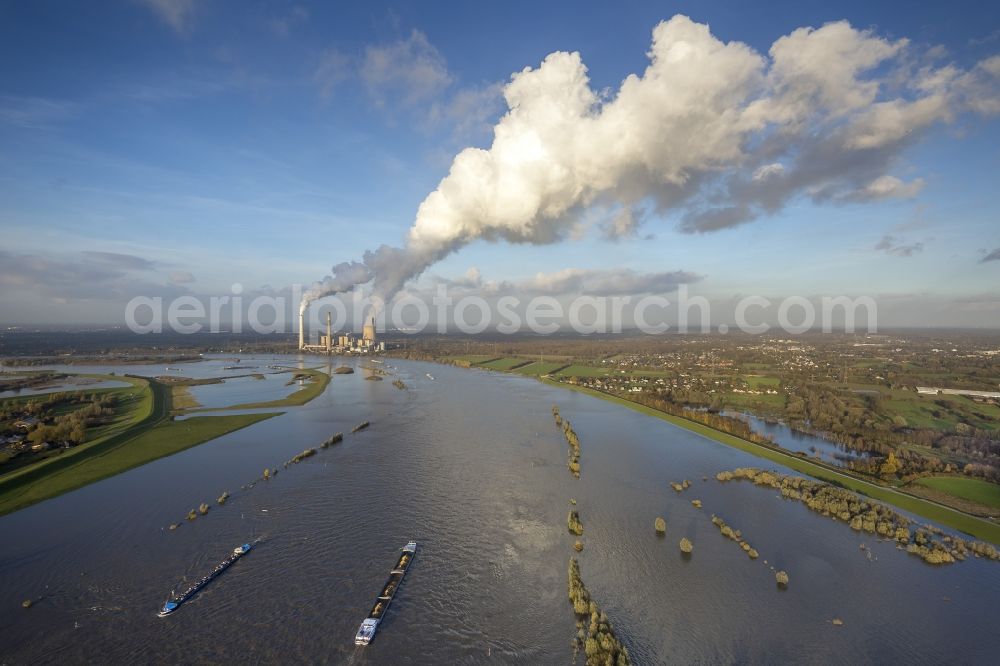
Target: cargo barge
x: 175, y: 601
x: 370, y: 624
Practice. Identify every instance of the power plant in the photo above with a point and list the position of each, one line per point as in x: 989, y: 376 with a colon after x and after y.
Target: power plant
x: 345, y: 343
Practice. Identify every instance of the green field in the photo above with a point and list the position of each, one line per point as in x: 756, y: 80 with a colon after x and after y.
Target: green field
x: 975, y: 490
x: 756, y: 381
x: 472, y: 359
x: 918, y: 411
x: 958, y: 520
x: 134, y: 405
x: 503, y: 363
x: 744, y: 401
x: 922, y: 411
x: 165, y: 439
x: 537, y: 368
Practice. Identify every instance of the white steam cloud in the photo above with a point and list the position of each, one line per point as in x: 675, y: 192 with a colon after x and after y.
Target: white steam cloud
x: 713, y: 132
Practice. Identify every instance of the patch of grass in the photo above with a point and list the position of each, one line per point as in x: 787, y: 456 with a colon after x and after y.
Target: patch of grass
x: 537, y: 368
x: 181, y: 398
x: 139, y: 433
x: 472, y: 359
x: 149, y: 404
x: 976, y: 490
x: 136, y: 405
x: 977, y: 527
x: 165, y: 439
x: 919, y: 411
x: 743, y: 401
x: 503, y: 363
x: 980, y: 415
x: 756, y: 381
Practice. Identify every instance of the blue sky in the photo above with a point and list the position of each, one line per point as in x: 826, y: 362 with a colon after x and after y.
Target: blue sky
x: 165, y: 147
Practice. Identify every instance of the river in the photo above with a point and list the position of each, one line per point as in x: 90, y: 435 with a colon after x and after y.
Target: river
x: 472, y: 467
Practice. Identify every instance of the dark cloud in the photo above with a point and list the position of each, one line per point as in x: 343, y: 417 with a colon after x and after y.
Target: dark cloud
x: 93, y: 276
x: 713, y: 219
x: 991, y: 256
x: 897, y: 246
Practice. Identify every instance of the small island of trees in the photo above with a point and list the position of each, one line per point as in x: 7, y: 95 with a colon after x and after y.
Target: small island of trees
x: 600, y: 645
x: 333, y: 439
x: 573, y: 463
x: 736, y: 536
x: 573, y: 523
x: 927, y: 542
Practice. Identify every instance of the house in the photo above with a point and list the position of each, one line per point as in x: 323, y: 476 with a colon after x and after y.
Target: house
x: 27, y: 423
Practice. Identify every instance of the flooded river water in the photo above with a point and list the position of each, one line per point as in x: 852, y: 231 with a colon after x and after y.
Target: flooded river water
x: 472, y: 467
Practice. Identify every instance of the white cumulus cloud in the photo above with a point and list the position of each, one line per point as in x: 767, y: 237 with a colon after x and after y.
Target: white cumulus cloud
x: 696, y: 136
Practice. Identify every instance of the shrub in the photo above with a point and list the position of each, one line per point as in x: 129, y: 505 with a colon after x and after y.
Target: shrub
x: 686, y: 546
x: 573, y: 523
x: 660, y: 524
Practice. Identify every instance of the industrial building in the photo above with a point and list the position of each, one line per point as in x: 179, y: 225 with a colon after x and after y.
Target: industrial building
x: 343, y: 343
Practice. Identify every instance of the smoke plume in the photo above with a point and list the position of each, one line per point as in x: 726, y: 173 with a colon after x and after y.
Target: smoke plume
x: 711, y: 134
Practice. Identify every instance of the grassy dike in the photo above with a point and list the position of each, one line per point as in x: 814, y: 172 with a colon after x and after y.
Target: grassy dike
x: 316, y: 386
x: 939, y: 513
x: 144, y: 434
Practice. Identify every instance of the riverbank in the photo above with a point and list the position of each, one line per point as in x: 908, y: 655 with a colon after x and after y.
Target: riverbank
x: 145, y: 433
x: 977, y: 527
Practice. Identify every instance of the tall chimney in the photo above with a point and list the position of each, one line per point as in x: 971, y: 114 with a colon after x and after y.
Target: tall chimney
x: 329, y: 334
x: 302, y: 329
